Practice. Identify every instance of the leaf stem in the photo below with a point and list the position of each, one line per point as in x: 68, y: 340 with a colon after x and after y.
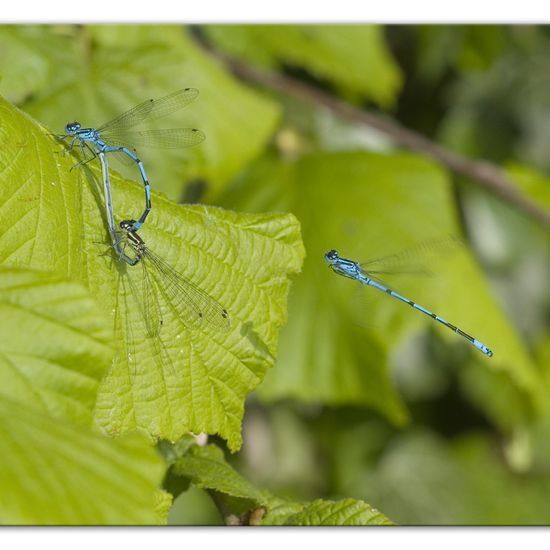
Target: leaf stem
x: 224, y: 511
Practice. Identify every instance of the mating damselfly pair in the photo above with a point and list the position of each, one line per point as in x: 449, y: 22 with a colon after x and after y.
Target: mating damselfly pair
x: 195, y: 307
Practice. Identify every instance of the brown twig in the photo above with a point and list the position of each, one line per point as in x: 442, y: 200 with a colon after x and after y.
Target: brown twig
x: 486, y: 174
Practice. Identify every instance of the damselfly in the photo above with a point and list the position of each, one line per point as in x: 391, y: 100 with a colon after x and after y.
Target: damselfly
x: 115, y: 137
x: 354, y: 270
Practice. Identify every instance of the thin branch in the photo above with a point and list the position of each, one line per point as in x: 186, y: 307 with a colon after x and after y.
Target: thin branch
x: 486, y: 174
x: 252, y: 517
x: 223, y: 510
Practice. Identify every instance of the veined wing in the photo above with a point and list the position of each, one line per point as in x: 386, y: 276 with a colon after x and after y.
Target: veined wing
x: 158, y: 351
x: 169, y: 138
x: 416, y: 260
x: 151, y: 108
x: 195, y: 307
x: 151, y: 307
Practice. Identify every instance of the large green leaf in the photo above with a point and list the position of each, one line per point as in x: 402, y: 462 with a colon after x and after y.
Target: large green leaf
x: 55, y: 473
x: 369, y: 205
x: 109, y: 69
x: 354, y: 58
x: 186, y: 379
x: 55, y: 346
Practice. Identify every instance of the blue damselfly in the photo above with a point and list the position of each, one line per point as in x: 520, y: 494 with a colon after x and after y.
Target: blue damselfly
x: 115, y: 137
x: 357, y: 271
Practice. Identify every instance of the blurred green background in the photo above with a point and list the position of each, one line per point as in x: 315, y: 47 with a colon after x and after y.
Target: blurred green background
x: 368, y: 399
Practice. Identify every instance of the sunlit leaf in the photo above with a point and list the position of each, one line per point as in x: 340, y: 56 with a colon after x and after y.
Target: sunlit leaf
x: 187, y: 379
x: 55, y: 473
x: 55, y: 344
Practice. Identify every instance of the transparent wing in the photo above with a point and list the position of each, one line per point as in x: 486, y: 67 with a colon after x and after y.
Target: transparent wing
x: 129, y: 343
x: 195, y: 307
x: 169, y: 138
x: 123, y: 158
x: 151, y: 108
x: 416, y: 260
x: 151, y: 307
x: 158, y: 351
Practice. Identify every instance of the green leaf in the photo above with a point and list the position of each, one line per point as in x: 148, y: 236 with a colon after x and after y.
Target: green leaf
x: 327, y: 512
x: 55, y: 345
x: 369, y: 205
x: 162, y: 503
x: 186, y: 379
x: 112, y: 68
x: 207, y: 469
x: 331, y: 52
x: 40, y: 197
x: 55, y: 473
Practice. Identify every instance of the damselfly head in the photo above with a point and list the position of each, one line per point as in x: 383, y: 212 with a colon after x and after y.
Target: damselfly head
x: 127, y: 225
x: 331, y: 257
x: 72, y: 127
